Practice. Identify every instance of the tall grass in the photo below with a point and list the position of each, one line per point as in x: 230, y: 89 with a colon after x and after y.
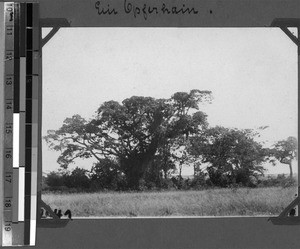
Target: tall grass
x: 212, y: 202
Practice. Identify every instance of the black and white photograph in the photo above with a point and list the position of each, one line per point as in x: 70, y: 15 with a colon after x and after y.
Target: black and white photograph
x: 169, y: 122
x: 149, y: 124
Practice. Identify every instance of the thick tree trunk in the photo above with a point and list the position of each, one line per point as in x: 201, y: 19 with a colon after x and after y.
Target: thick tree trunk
x: 133, y: 177
x: 136, y: 165
x: 135, y: 169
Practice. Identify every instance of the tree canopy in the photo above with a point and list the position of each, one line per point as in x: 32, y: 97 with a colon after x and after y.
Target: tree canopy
x: 139, y: 142
x: 232, y: 155
x: 131, y: 132
x: 285, y: 151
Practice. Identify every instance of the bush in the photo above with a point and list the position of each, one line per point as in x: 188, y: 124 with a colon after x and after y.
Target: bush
x: 280, y: 181
x: 218, y: 178
x: 167, y: 184
x: 198, y: 183
x: 54, y: 180
x: 177, y: 181
x: 78, y: 179
x: 106, y: 175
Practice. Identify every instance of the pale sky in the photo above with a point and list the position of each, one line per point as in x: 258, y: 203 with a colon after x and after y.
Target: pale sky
x: 252, y: 73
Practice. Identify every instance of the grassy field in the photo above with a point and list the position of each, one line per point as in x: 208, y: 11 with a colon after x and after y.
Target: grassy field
x: 212, y: 202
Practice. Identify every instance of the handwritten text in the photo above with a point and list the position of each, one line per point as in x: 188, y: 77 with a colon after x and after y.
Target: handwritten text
x: 145, y: 10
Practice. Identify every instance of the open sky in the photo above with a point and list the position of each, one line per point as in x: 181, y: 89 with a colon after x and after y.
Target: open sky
x: 252, y: 73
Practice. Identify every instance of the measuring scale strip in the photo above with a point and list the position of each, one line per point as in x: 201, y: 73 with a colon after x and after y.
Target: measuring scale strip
x: 21, y: 69
x: 8, y: 116
x: 32, y: 71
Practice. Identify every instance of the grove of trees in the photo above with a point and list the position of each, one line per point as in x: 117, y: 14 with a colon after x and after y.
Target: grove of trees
x: 139, y: 143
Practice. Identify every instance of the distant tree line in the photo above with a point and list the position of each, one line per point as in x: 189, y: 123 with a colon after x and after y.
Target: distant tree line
x: 140, y: 143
